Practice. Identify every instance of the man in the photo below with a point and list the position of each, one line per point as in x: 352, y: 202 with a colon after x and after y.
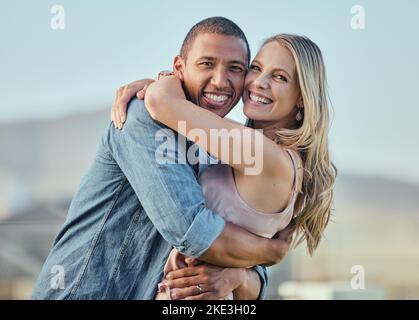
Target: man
x: 129, y: 210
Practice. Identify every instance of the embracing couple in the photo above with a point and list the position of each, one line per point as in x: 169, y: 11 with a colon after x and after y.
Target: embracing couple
x: 139, y: 228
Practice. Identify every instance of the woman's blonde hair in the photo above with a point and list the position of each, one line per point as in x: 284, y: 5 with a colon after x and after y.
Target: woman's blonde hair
x: 310, y: 137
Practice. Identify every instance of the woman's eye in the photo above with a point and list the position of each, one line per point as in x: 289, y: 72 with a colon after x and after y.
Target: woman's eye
x: 280, y: 77
x: 255, y: 68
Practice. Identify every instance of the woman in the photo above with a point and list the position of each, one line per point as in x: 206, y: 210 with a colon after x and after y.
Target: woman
x: 285, y: 96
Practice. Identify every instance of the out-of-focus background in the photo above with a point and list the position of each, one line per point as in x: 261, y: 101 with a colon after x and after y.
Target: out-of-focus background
x: 62, y: 61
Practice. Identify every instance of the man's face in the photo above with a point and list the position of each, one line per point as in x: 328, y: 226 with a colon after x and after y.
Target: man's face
x: 213, y: 73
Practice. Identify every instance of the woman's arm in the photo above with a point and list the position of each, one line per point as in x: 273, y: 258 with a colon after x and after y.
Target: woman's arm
x: 241, y: 147
x: 123, y: 96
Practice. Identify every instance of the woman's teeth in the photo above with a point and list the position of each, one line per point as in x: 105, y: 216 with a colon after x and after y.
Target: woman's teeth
x: 216, y: 98
x: 259, y: 99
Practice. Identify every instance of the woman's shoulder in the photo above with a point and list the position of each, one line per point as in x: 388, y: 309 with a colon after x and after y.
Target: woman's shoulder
x: 273, y: 187
x: 298, y: 167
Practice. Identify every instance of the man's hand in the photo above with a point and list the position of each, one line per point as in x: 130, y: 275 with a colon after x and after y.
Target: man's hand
x: 283, y: 241
x: 215, y: 282
x: 123, y: 95
x: 286, y: 234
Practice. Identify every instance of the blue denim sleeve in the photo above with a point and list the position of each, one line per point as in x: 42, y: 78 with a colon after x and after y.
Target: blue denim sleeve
x: 263, y: 275
x: 168, y: 192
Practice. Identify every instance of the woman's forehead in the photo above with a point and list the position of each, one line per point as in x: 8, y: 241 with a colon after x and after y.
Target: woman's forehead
x: 273, y: 55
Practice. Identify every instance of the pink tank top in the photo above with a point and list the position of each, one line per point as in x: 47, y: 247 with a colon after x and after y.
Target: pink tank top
x: 222, y: 196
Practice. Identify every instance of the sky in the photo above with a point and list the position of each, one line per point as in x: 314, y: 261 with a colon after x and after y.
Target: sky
x: 372, y: 72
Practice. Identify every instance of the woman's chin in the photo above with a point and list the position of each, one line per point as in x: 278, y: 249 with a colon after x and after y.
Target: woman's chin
x: 252, y: 114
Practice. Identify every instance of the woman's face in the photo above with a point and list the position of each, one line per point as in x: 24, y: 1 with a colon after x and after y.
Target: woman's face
x: 271, y: 88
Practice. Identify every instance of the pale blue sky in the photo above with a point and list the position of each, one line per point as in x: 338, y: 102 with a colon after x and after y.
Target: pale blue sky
x: 372, y: 73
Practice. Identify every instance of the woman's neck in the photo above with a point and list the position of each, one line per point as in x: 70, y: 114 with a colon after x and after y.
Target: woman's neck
x: 271, y: 127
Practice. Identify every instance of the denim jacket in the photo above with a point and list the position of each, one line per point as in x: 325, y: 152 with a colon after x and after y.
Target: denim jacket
x: 127, y: 213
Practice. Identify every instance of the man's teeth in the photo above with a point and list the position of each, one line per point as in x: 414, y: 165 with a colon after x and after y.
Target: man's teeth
x: 215, y: 97
x: 256, y: 98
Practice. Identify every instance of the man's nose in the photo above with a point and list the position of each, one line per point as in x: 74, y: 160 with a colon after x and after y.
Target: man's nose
x: 220, y: 79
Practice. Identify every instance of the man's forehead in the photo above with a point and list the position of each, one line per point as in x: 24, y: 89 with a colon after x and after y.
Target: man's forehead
x: 218, y: 47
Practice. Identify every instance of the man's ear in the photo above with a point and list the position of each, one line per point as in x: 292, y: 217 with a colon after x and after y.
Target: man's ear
x: 179, y: 67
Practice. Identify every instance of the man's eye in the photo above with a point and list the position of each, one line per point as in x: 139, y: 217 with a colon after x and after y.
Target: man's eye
x: 207, y: 64
x: 236, y: 69
x: 254, y: 68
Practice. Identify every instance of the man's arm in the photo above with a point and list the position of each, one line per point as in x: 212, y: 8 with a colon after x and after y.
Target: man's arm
x: 173, y: 199
x: 236, y: 247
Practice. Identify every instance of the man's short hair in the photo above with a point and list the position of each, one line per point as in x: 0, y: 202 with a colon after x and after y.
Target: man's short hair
x: 214, y: 25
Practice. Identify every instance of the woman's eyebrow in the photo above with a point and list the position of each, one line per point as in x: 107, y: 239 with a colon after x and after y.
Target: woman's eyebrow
x: 276, y: 69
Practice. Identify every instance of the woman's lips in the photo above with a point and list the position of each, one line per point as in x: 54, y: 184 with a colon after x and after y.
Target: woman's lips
x: 258, y: 98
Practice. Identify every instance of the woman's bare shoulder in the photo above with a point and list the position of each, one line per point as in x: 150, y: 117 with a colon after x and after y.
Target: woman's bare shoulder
x: 269, y: 192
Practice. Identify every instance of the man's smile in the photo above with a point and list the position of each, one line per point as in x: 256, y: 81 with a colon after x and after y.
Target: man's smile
x: 217, y: 100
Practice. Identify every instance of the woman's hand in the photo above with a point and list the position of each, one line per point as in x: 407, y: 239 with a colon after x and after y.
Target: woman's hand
x: 162, y: 95
x: 215, y: 282
x: 123, y: 95
x: 167, y: 86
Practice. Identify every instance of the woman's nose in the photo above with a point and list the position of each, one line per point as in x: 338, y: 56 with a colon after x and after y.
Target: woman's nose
x: 262, y: 81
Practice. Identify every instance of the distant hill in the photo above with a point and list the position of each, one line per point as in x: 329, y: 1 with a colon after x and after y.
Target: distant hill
x: 381, y: 193
x: 43, y: 161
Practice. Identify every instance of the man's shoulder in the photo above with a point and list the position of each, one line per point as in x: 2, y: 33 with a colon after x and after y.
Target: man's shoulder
x: 137, y: 113
x: 139, y: 117
x: 136, y: 107
x: 136, y: 101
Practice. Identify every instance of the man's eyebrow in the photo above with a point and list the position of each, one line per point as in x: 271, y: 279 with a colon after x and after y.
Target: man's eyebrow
x: 207, y: 58
x: 239, y: 62
x: 230, y: 62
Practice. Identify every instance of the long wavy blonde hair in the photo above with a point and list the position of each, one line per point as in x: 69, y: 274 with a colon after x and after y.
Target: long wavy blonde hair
x: 310, y: 138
